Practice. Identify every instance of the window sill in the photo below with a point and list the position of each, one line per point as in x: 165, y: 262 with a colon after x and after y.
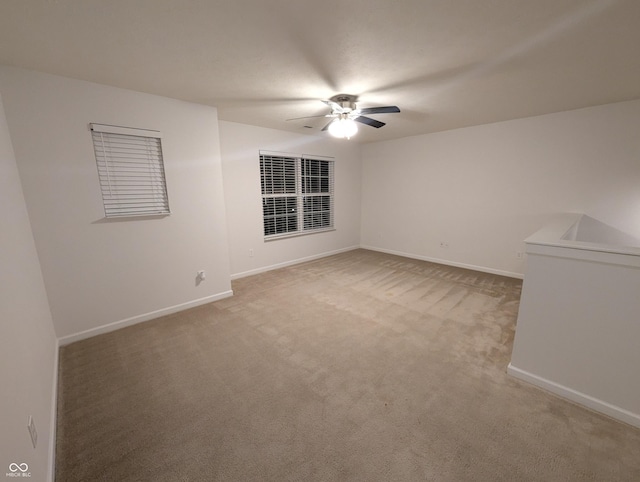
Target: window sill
x: 274, y: 237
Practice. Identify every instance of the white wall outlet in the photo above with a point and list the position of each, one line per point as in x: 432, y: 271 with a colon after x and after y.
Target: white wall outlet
x: 519, y: 254
x: 201, y: 275
x: 443, y: 244
x: 31, y: 426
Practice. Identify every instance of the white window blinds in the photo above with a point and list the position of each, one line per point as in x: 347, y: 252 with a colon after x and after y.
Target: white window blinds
x: 130, y: 170
x: 297, y: 195
x: 317, y: 193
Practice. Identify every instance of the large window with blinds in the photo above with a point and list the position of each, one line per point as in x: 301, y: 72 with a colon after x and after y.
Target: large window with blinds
x: 297, y: 194
x: 130, y: 171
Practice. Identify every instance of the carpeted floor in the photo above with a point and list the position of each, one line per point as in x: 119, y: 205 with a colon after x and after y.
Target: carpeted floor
x: 361, y: 366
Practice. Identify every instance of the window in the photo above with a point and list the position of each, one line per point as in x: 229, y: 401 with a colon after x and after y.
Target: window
x: 130, y: 170
x: 297, y: 194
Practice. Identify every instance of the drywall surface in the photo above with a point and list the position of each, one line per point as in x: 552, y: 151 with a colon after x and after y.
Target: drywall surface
x: 582, y: 234
x: 110, y: 272
x: 482, y: 190
x: 577, y: 332
x: 240, y: 146
x: 28, y: 345
x: 593, y: 231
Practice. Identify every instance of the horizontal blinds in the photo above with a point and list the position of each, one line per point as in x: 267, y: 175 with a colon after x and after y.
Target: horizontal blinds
x: 131, y: 173
x: 317, y: 192
x: 297, y: 194
x: 279, y: 184
x: 278, y: 175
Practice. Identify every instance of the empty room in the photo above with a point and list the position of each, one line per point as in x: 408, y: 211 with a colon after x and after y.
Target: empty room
x: 350, y: 240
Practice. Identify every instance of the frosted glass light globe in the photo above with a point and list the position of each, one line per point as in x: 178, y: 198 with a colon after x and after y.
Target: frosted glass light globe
x: 343, y: 128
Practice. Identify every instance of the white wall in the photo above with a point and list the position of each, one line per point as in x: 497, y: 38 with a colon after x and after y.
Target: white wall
x: 484, y: 189
x: 100, y: 272
x: 240, y: 145
x: 577, y: 330
x: 28, y: 346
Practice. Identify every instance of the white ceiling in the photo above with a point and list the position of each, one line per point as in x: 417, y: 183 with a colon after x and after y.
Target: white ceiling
x: 445, y: 63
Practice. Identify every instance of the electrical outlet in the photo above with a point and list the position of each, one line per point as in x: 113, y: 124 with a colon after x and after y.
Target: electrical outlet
x: 443, y: 244
x: 519, y: 254
x: 31, y: 426
x: 201, y: 275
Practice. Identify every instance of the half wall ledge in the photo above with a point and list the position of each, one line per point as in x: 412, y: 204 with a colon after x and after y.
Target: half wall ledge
x: 578, y: 328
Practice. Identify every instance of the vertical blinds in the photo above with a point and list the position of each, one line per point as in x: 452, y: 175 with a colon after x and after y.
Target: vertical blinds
x: 130, y: 170
x: 297, y: 194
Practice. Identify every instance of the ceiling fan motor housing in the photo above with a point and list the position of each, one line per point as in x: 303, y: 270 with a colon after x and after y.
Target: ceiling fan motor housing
x: 346, y: 101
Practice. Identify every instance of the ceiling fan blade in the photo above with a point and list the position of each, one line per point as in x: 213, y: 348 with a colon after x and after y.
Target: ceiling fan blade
x: 369, y: 121
x: 310, y: 117
x: 335, y: 107
x: 379, y: 110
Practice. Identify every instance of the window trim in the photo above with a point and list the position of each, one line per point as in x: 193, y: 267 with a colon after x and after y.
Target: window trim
x: 299, y: 195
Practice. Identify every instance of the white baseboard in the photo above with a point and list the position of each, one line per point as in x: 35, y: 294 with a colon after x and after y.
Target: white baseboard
x: 473, y: 267
x: 65, y: 340
x: 575, y: 396
x: 291, y: 262
x: 51, y: 462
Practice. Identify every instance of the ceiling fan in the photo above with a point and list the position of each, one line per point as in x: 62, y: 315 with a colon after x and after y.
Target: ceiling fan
x: 345, y: 114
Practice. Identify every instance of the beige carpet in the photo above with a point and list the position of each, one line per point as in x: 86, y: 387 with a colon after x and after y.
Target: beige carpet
x: 361, y: 366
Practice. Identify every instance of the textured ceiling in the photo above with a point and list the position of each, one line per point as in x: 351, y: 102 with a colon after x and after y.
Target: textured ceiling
x: 445, y: 63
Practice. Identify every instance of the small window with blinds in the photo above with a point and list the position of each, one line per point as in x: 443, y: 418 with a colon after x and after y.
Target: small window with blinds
x: 297, y: 195
x: 130, y: 171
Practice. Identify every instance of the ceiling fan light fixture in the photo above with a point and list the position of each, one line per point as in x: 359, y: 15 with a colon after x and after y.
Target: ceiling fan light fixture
x: 343, y: 127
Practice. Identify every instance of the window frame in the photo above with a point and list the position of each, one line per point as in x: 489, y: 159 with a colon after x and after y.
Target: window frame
x: 301, y: 186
